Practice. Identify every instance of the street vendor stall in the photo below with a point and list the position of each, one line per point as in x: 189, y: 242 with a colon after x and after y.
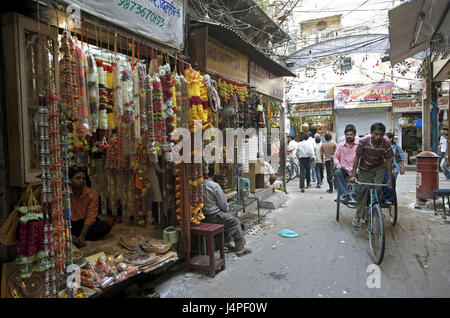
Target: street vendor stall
x: 92, y: 93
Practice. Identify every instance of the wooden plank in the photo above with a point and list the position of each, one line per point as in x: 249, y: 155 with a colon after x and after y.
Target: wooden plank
x: 12, y: 98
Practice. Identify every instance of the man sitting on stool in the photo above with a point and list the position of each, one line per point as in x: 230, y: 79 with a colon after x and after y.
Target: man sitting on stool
x: 215, y: 208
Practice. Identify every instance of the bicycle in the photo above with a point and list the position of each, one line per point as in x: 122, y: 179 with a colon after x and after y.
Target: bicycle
x: 373, y: 218
x: 292, y: 170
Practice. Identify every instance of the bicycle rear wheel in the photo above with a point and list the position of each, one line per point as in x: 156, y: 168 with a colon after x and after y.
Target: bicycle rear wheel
x: 376, y: 234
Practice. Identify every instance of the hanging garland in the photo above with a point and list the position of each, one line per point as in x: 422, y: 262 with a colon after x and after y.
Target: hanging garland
x: 272, y: 113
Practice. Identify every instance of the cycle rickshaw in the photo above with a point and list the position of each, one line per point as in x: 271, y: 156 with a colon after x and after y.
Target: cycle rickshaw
x: 373, y: 217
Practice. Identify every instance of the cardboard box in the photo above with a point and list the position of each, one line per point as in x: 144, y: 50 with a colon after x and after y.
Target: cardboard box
x: 259, y: 166
x: 259, y: 181
x: 250, y: 175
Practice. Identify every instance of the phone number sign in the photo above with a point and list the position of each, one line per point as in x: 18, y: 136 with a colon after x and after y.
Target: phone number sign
x: 159, y: 20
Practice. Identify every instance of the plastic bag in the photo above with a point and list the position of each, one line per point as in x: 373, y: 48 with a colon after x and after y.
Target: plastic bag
x: 82, y: 125
x: 127, y: 94
x: 137, y: 106
x: 92, y: 79
x: 287, y: 233
x: 118, y: 99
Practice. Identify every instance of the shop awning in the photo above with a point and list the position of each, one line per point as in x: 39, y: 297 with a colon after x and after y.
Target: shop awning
x: 413, y: 24
x: 227, y: 36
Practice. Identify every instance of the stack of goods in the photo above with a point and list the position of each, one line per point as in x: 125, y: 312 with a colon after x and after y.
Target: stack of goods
x: 131, y: 241
x: 156, y: 246
x: 106, y: 272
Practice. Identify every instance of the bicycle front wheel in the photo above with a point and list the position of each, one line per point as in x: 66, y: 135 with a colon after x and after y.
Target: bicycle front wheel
x: 376, y: 234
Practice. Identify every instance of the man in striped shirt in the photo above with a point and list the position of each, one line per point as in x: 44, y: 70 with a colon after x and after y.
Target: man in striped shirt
x: 373, y: 154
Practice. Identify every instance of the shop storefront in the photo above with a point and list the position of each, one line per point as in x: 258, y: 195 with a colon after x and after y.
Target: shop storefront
x: 362, y: 106
x: 270, y: 88
x: 236, y: 64
x: 315, y: 117
x: 107, y: 95
x: 104, y: 90
x: 407, y: 123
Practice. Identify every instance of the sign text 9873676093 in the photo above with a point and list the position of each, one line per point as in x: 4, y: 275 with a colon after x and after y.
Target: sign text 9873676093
x: 144, y: 13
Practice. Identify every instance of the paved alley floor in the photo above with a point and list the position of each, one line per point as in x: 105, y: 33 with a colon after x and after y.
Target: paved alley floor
x: 328, y: 258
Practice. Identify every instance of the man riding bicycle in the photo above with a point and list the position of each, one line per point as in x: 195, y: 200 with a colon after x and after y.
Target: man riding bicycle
x: 373, y: 155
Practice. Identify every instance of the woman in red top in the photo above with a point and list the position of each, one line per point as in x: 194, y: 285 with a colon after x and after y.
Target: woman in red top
x: 84, y: 207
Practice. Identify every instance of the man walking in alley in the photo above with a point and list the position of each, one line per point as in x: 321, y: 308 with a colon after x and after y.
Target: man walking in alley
x: 305, y: 153
x: 312, y: 143
x: 318, y: 163
x: 442, y: 144
x: 343, y: 161
x: 373, y: 155
x: 215, y: 210
x: 292, y: 147
x: 327, y: 150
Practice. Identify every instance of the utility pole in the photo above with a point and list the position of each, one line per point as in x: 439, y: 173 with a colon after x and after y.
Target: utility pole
x: 426, y: 106
x: 434, y: 117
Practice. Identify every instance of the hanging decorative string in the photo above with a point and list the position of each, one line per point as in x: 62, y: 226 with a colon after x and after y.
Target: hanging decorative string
x: 403, y: 67
x: 310, y: 72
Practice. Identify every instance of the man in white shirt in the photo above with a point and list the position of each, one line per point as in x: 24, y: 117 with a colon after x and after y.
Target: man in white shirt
x: 312, y: 142
x: 442, y: 145
x: 318, y: 163
x: 305, y: 152
x: 292, y: 146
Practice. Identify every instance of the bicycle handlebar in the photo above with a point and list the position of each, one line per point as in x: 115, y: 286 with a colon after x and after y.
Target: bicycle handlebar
x: 372, y: 184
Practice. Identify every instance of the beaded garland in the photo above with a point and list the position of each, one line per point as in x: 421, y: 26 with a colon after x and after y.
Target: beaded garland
x: 157, y: 108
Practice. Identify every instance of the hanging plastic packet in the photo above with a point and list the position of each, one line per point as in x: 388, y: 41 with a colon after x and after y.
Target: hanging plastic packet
x: 103, y: 99
x: 92, y: 78
x: 82, y: 125
x: 137, y: 105
x: 118, y: 99
x: 142, y: 97
x: 127, y: 94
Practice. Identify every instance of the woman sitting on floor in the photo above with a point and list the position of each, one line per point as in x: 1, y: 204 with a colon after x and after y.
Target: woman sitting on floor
x: 84, y: 205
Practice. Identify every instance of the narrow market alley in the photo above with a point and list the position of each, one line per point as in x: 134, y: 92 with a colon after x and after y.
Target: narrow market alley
x: 328, y: 258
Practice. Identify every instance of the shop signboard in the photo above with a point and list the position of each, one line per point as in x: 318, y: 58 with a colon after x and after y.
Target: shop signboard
x: 225, y: 61
x: 308, y: 91
x: 324, y: 108
x: 364, y: 96
x: 265, y: 81
x: 159, y: 20
x: 415, y: 106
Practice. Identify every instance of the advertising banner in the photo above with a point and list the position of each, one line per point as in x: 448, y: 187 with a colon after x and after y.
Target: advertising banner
x: 225, y: 61
x: 371, y: 95
x: 159, y: 20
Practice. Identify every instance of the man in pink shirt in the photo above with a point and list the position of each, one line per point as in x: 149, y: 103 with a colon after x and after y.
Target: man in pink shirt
x: 343, y: 161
